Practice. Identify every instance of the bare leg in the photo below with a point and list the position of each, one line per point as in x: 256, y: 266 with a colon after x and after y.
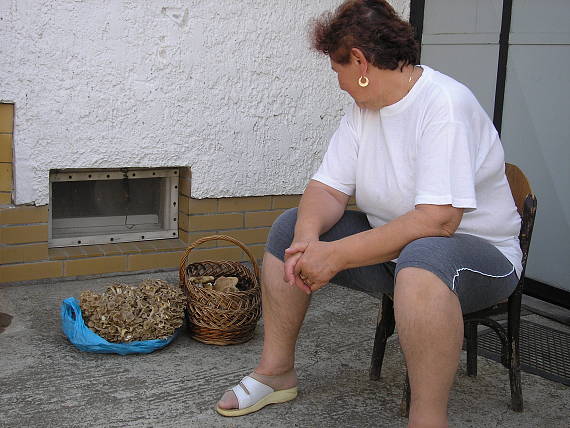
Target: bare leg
x: 284, y: 309
x: 430, y: 328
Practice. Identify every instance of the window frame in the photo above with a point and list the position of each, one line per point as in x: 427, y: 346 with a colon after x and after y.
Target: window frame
x: 169, y: 208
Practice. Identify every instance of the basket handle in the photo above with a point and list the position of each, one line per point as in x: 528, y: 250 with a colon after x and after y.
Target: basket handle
x: 184, y: 260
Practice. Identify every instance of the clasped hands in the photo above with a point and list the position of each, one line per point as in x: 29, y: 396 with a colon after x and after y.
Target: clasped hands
x: 310, y: 265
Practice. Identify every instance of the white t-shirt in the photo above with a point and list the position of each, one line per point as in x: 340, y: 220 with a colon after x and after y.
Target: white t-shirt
x: 434, y: 146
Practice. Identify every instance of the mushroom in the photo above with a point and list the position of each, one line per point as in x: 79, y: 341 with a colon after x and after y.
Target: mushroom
x: 125, y: 313
x: 226, y: 284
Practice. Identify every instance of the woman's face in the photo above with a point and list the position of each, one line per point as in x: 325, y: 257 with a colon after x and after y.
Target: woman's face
x: 348, y: 75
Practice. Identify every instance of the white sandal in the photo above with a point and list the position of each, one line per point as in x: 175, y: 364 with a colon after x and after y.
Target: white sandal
x: 253, y: 395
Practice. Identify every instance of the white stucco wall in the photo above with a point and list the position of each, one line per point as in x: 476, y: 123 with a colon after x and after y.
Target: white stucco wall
x: 226, y: 87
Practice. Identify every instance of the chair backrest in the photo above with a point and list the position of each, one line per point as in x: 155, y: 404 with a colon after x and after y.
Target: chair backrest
x: 520, y: 187
x: 526, y: 204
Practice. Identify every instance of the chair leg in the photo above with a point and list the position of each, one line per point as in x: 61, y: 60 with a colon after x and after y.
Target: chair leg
x: 405, y: 403
x: 384, y: 329
x: 471, y: 339
x: 516, y: 387
x: 514, y: 323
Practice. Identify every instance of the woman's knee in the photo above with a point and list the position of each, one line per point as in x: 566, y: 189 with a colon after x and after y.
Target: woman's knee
x: 281, y: 233
x: 418, y: 280
x: 418, y: 285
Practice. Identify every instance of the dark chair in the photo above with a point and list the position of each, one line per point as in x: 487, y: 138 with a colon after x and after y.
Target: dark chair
x: 510, y: 355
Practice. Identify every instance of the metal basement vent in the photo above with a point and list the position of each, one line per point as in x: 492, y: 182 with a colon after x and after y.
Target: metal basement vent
x: 107, y: 206
x: 544, y: 350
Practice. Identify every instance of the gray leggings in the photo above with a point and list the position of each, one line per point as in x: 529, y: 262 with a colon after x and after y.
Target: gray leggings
x: 472, y: 268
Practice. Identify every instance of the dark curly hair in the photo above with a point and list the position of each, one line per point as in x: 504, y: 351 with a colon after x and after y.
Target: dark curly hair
x: 373, y: 26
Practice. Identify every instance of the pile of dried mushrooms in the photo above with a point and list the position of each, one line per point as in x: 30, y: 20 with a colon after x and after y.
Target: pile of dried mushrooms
x: 126, y: 313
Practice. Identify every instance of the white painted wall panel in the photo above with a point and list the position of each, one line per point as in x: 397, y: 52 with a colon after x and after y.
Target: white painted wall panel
x: 474, y: 65
x: 536, y: 128
x: 536, y: 136
x: 228, y: 88
x: 447, y: 17
x: 461, y: 39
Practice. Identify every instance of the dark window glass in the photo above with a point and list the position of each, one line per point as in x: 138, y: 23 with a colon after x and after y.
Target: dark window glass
x: 104, y: 198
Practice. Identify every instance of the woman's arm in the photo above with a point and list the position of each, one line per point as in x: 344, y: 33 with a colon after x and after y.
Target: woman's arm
x: 320, y: 208
x: 322, y: 260
x: 384, y: 243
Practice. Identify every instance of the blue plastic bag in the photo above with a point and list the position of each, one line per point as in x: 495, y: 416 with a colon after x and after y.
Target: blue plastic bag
x: 86, y: 340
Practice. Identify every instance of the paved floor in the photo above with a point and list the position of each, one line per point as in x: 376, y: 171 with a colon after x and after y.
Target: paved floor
x: 46, y: 382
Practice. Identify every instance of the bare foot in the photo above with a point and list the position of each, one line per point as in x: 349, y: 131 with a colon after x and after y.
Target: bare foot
x: 278, y: 382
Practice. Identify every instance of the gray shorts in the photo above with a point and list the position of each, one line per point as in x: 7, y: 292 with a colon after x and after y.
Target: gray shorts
x: 472, y: 268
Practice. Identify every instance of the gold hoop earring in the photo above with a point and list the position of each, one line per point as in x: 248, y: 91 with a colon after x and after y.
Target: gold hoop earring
x: 363, y: 81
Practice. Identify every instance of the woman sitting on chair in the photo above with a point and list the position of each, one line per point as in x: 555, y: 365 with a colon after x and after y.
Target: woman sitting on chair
x: 427, y: 169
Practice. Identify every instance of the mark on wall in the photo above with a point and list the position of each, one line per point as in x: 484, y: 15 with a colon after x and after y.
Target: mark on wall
x: 177, y: 14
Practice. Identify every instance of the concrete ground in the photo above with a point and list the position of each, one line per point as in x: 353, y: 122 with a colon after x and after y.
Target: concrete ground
x: 46, y: 382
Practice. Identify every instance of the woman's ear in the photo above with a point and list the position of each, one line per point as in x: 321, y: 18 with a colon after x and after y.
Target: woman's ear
x: 358, y: 57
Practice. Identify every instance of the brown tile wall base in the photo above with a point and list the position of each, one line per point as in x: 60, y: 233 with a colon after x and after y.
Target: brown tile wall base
x: 94, y: 266
x: 6, y: 153
x: 30, y: 271
x: 138, y: 262
x: 5, y: 198
x: 24, y: 253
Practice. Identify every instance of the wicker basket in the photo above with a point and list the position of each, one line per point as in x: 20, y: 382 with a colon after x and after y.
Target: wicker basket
x: 216, y: 317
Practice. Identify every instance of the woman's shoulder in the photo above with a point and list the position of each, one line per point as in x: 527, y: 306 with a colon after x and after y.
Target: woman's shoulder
x: 448, y: 98
x: 440, y: 83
